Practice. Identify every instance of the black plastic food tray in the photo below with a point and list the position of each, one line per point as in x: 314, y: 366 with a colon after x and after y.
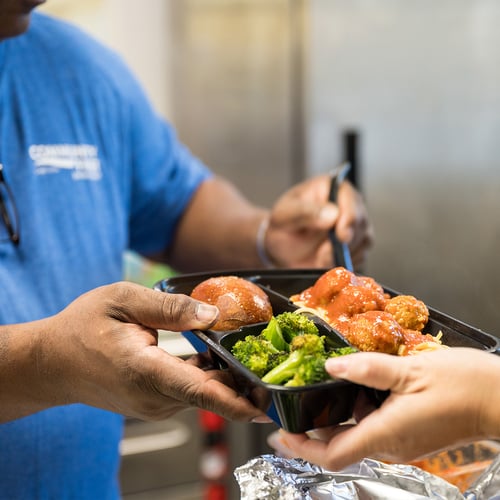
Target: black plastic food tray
x: 298, y: 409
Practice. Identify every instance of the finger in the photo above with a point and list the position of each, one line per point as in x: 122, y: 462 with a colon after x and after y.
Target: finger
x: 352, y: 224
x: 327, y: 433
x: 377, y: 370
x: 290, y: 445
x: 348, y: 444
x: 194, y: 387
x: 305, y: 206
x: 154, y: 309
x: 324, y: 255
x: 203, y: 360
x: 296, y: 214
x: 278, y: 442
x: 363, y: 407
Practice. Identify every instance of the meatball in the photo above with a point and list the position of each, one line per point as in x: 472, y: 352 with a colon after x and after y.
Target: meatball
x: 375, y: 331
x: 329, y: 284
x: 355, y: 299
x: 408, y: 311
x: 370, y: 283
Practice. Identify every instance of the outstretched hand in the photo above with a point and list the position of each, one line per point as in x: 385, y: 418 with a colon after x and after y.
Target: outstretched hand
x: 437, y: 399
x: 102, y: 351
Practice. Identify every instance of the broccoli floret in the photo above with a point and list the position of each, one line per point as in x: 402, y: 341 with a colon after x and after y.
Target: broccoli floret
x: 282, y: 328
x: 275, y: 359
x: 257, y: 354
x: 311, y: 371
x: 272, y: 333
x: 302, y: 347
x: 341, y: 351
x: 293, y: 324
x: 289, y: 351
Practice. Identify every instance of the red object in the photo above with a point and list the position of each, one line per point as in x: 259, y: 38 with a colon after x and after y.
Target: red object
x: 211, y: 422
x: 215, y: 492
x: 214, y: 459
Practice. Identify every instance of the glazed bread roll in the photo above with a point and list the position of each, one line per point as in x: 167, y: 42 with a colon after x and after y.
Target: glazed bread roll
x: 240, y: 301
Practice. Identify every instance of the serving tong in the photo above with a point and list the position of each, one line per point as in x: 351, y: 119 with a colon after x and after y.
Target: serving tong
x: 341, y: 253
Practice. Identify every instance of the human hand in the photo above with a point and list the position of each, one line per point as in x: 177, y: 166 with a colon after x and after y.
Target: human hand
x: 437, y: 399
x: 297, y: 235
x: 102, y: 351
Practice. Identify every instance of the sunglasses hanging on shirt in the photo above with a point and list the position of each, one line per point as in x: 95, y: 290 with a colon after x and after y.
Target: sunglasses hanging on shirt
x: 9, y: 228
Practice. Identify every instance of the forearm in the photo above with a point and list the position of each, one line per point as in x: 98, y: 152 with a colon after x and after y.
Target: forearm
x: 217, y: 235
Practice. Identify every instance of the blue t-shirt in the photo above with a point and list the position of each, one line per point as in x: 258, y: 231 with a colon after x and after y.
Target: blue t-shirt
x: 93, y: 171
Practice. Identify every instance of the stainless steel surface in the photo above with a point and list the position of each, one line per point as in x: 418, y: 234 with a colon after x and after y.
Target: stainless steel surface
x: 420, y: 81
x: 238, y: 86
x: 161, y: 457
x: 160, y: 460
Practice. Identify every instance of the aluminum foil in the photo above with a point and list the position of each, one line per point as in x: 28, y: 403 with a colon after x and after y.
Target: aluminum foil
x: 487, y: 485
x: 275, y: 478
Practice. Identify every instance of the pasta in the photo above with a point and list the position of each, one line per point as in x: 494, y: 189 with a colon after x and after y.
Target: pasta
x: 369, y: 319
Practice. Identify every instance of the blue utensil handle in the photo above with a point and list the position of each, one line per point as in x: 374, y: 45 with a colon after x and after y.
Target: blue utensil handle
x: 341, y: 253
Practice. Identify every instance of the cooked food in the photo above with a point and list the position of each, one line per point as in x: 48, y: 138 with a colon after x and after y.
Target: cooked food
x: 366, y: 316
x: 258, y: 354
x: 408, y: 311
x: 240, y: 301
x: 283, y: 328
x: 289, y: 351
x: 376, y: 331
x: 327, y: 286
x: 355, y: 299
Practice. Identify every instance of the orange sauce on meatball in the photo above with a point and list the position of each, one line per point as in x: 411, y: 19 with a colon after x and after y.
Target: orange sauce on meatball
x: 369, y: 319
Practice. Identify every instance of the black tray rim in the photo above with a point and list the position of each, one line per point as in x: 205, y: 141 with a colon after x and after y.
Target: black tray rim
x: 259, y: 274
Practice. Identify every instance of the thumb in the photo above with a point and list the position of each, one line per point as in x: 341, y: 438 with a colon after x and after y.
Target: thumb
x: 376, y: 370
x: 159, y: 310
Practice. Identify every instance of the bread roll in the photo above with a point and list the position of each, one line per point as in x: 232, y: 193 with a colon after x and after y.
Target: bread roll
x: 240, y: 301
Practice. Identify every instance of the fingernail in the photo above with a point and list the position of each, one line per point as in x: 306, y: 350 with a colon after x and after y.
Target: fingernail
x: 206, y: 313
x: 336, y: 366
x: 263, y: 419
x: 329, y: 213
x: 278, y: 443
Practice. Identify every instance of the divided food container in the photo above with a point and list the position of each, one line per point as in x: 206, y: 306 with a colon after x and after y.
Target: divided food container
x: 298, y: 409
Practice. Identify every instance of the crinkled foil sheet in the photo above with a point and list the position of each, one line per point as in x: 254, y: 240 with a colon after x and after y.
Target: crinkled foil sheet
x: 274, y: 478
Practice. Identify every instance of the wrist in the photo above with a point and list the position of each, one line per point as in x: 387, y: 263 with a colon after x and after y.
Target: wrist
x: 489, y: 417
x: 492, y: 402
x: 23, y: 386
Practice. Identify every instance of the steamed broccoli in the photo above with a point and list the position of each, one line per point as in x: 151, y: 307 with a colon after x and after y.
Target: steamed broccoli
x: 341, y: 351
x: 304, y: 349
x: 310, y: 371
x: 272, y: 332
x: 288, y: 351
x: 257, y: 354
x: 287, y: 325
